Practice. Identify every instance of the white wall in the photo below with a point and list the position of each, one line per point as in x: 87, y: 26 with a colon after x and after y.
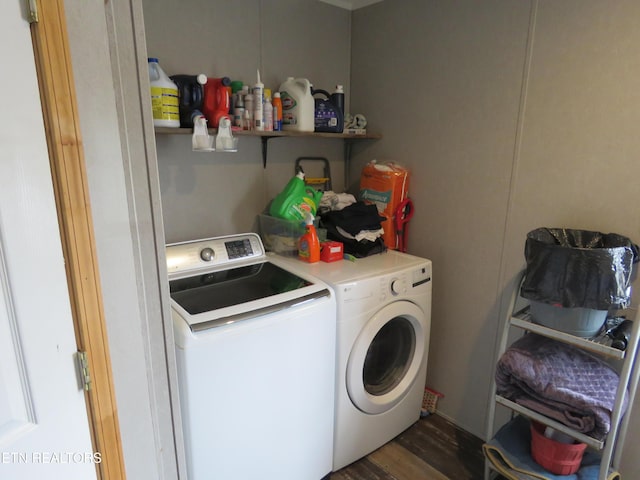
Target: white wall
x: 455, y: 131
x: 511, y: 116
x: 579, y: 149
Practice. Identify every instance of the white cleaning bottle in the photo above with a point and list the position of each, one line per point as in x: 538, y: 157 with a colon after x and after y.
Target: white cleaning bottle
x: 298, y: 106
x: 268, y: 111
x: 258, y: 104
x: 248, y: 112
x: 164, y: 97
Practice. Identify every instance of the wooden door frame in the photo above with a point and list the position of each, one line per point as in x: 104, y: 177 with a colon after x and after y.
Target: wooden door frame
x: 68, y: 170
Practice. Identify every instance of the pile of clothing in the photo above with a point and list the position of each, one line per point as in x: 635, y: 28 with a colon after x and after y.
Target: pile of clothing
x: 354, y: 223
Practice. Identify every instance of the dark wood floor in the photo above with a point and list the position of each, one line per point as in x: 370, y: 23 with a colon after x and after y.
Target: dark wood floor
x: 432, y: 449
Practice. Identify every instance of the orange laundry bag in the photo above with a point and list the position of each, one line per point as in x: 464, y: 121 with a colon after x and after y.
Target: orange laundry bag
x: 386, y: 185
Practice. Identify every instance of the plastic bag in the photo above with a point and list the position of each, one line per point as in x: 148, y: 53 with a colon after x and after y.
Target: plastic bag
x: 386, y: 186
x: 578, y: 268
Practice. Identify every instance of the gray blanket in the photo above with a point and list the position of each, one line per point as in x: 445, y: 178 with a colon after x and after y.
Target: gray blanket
x: 559, y: 381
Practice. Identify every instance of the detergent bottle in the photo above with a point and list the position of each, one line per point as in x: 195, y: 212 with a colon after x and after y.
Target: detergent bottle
x: 309, y: 244
x: 296, y: 200
x: 337, y: 98
x: 328, y: 116
x: 190, y: 95
x: 297, y: 105
x: 216, y: 100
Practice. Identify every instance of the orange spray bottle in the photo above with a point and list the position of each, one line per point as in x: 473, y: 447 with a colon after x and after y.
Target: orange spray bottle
x: 309, y: 244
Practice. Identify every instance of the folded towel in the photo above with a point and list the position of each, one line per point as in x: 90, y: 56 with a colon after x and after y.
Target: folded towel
x: 561, y: 382
x: 370, y: 235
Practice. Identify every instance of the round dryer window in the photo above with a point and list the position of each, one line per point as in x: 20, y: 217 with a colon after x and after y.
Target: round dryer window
x: 386, y: 357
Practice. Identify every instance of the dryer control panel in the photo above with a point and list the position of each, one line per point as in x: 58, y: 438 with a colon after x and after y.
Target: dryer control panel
x: 420, y: 275
x: 398, y: 286
x: 385, y: 287
x: 401, y: 284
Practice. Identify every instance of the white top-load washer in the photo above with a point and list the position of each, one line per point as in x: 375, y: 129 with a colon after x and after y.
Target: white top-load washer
x: 384, y: 319
x: 255, y: 349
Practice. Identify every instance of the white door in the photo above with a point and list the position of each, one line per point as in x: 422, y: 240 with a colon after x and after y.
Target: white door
x: 44, y: 430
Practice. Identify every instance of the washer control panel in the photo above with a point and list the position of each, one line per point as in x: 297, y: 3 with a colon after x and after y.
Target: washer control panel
x: 215, y: 252
x: 207, y: 254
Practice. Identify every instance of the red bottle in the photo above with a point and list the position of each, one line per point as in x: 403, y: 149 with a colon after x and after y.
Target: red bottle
x: 216, y: 102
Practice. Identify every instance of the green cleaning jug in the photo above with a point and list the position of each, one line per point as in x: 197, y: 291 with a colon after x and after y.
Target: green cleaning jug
x: 295, y: 200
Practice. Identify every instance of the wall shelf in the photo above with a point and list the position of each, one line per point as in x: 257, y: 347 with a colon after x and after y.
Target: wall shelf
x: 284, y: 133
x: 266, y: 136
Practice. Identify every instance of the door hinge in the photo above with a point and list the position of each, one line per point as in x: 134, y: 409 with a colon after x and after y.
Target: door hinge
x: 83, y: 371
x: 32, y: 7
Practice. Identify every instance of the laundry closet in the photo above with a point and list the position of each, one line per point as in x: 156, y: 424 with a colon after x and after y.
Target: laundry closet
x: 517, y: 112
x: 453, y: 115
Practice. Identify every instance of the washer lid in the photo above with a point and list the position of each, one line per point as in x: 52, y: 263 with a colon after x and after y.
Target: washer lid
x: 386, y: 357
x: 221, y: 289
x: 221, y: 280
x: 221, y: 297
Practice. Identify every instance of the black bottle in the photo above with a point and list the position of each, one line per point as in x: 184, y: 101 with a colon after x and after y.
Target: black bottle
x: 190, y: 96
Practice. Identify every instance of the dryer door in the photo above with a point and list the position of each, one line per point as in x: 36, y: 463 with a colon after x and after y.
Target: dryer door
x: 386, y: 357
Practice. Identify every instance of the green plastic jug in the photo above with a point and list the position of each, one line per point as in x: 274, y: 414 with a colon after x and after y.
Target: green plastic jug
x: 295, y: 200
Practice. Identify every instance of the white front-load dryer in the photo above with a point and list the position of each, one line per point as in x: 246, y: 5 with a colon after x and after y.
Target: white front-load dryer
x: 383, y: 326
